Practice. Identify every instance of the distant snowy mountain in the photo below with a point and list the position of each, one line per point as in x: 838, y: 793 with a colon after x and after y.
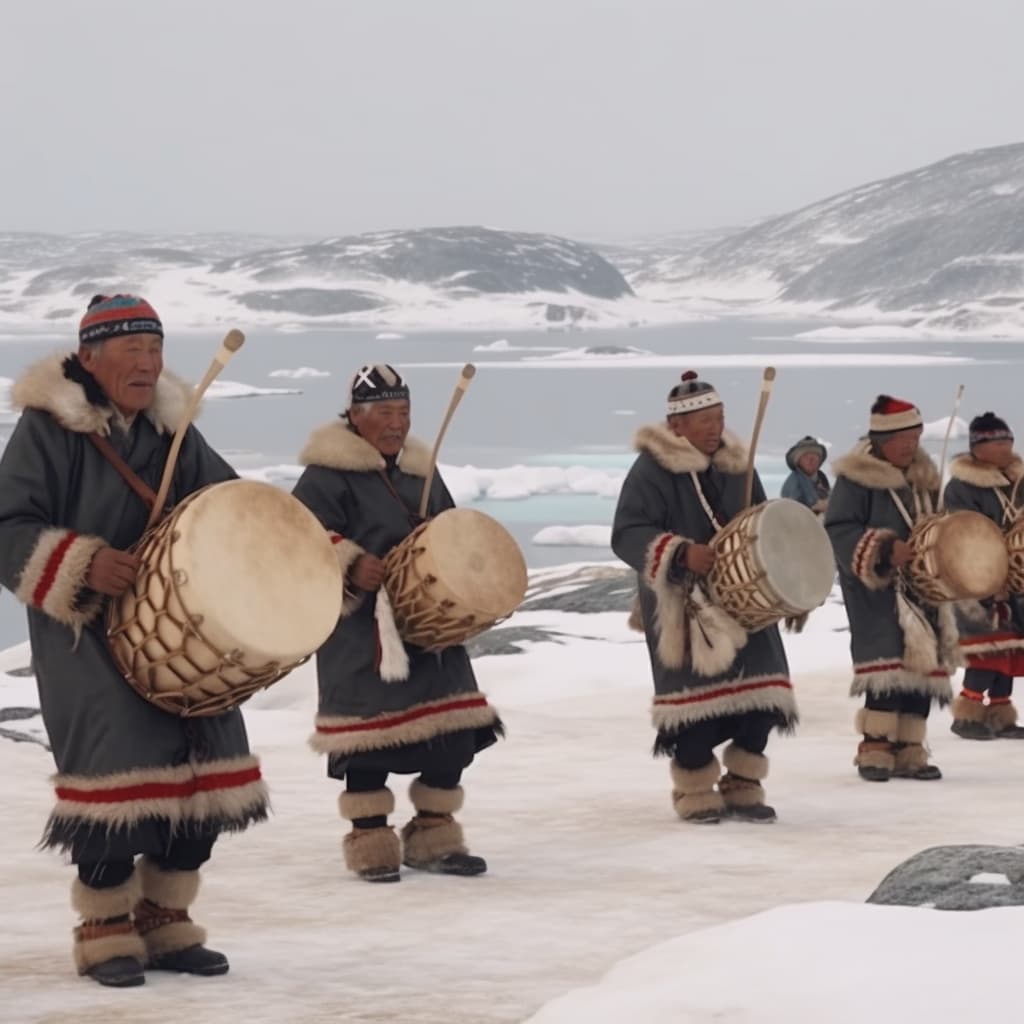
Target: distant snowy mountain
x: 456, y: 276
x: 939, y: 249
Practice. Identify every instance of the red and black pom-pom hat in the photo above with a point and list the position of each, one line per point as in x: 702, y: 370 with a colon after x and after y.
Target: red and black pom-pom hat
x: 890, y: 415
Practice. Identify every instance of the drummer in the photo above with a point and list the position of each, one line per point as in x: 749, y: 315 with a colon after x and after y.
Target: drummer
x: 131, y: 779
x: 903, y: 651
x: 987, y: 479
x: 713, y: 683
x: 386, y: 706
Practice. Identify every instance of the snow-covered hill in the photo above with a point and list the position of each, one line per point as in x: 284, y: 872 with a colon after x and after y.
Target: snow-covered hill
x: 452, y: 276
x: 939, y: 249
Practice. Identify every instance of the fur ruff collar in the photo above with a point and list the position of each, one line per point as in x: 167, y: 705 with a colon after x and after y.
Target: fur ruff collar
x: 677, y: 455
x: 968, y: 469
x: 868, y: 470
x: 335, y: 446
x: 77, y: 403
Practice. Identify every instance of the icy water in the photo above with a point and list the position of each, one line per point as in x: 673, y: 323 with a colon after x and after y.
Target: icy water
x: 533, y: 407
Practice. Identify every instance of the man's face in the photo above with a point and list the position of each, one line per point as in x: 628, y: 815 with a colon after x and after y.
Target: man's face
x: 127, y: 369
x: 994, y: 453
x: 703, y: 428
x: 385, y: 425
x: 809, y: 462
x: 901, y: 447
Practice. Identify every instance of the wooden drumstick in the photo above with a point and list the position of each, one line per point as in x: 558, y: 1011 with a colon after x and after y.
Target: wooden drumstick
x: 468, y: 372
x: 767, y: 380
x: 945, y: 446
x: 232, y: 342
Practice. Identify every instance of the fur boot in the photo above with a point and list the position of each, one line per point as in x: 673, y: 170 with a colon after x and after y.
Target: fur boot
x: 694, y: 796
x: 911, y: 753
x: 741, y: 786
x: 107, y: 946
x: 970, y: 717
x: 876, y: 756
x: 173, y: 941
x: 374, y: 854
x: 433, y: 839
x: 1001, y: 718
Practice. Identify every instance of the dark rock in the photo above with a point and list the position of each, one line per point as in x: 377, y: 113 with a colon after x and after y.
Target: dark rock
x: 465, y: 260
x: 310, y: 301
x: 17, y: 714
x: 941, y: 876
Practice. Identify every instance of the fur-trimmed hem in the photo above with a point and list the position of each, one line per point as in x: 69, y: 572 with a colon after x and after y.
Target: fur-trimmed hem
x: 434, y: 800
x: 426, y: 843
x: 336, y: 446
x: 172, y: 889
x: 369, y: 849
x: 44, y: 386
x: 99, y: 904
x: 745, y: 763
x: 90, y: 952
x: 867, y: 555
x: 990, y: 643
x: 980, y: 474
x: 867, y: 470
x: 53, y: 578
x: 228, y: 793
x: 366, y: 805
x: 343, y: 734
x: 674, y: 711
x: 172, y: 938
x: 889, y: 675
x: 878, y: 724
x: 678, y: 455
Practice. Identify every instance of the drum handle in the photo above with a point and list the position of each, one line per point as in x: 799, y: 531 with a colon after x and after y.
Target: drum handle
x: 767, y: 380
x: 468, y: 372
x: 232, y: 342
x: 945, y: 444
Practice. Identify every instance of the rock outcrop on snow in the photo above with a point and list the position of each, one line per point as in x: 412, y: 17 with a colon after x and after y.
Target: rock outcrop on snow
x: 956, y: 878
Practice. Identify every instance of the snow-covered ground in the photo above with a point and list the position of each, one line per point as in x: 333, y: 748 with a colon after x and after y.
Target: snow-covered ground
x: 588, y: 867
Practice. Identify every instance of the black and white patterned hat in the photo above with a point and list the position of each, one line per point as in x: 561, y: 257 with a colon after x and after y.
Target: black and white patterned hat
x: 378, y: 383
x: 691, y: 395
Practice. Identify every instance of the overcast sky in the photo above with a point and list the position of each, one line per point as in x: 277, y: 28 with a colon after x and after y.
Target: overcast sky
x: 581, y: 117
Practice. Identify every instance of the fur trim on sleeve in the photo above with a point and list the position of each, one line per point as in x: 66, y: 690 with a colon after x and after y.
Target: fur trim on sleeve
x: 867, y: 555
x: 53, y: 578
x: 670, y: 598
x: 347, y: 551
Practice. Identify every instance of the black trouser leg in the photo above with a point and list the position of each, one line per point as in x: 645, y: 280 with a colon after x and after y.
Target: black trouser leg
x: 106, y: 874
x: 901, y: 703
x: 752, y: 730
x: 695, y: 744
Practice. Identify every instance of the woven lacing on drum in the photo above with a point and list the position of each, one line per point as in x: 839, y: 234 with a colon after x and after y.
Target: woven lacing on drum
x: 139, y: 654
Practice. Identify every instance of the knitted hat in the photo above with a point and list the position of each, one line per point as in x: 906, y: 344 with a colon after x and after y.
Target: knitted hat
x: 691, y: 395
x: 117, y: 315
x: 890, y: 415
x: 989, y: 427
x: 802, y: 447
x: 379, y: 383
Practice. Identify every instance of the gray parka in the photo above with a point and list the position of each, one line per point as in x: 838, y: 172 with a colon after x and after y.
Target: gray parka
x: 898, y: 644
x: 704, y: 664
x: 129, y: 775
x: 435, y: 717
